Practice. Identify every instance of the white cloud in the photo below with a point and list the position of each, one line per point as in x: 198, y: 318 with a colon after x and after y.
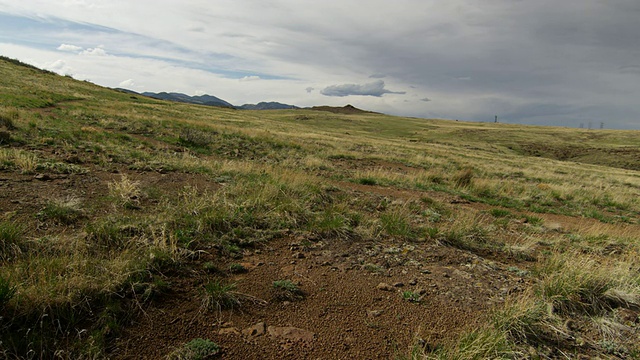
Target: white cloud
x: 127, y: 83
x: 59, y: 66
x: 97, y: 51
x: 70, y: 48
x: 250, y: 78
x: 309, y: 89
x: 375, y: 88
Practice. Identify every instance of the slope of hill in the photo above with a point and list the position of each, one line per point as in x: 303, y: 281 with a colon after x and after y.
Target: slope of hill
x: 347, y: 109
x: 136, y: 228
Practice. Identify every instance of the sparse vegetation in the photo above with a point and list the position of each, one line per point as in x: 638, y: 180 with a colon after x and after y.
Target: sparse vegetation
x: 196, y: 349
x: 219, y: 296
x: 286, y: 290
x: 62, y: 211
x: 550, y: 245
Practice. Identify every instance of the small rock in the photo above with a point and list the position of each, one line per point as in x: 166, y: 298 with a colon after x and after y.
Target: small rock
x: 42, y: 177
x: 398, y: 284
x: 258, y: 329
x: 421, y: 291
x: 298, y: 255
x: 385, y: 287
x: 326, y: 263
x: 425, y: 271
x: 229, y: 331
x: 374, y: 313
x: 413, y: 282
x: 446, y: 275
x: 291, y: 333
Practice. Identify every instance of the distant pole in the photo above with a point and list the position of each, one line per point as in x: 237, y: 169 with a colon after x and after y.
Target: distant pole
x: 581, y: 125
x: 496, y: 118
x: 601, y: 125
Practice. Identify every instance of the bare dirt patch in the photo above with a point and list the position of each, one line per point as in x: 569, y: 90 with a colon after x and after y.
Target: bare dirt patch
x: 344, y: 314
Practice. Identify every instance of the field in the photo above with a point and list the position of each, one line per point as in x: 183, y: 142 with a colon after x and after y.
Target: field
x: 135, y: 228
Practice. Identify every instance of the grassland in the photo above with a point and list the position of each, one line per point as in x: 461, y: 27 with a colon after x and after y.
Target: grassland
x: 89, y: 228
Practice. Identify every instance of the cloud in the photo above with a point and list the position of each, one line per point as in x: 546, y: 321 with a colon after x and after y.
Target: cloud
x: 309, y: 89
x: 375, y: 88
x: 127, y: 83
x: 70, y: 48
x: 377, y: 76
x: 59, y: 66
x: 425, y: 99
x: 250, y: 78
x: 97, y: 51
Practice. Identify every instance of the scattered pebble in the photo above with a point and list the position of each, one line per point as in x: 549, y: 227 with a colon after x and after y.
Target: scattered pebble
x: 385, y: 287
x: 374, y: 313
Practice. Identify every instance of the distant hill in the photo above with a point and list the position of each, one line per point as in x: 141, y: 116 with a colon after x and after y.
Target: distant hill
x: 347, y: 109
x: 209, y: 100
x: 272, y: 105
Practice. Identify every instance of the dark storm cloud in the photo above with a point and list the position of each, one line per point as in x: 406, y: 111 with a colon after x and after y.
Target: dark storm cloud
x: 375, y: 88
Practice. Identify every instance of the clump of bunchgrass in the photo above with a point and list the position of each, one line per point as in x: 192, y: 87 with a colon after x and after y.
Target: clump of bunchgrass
x: 196, y: 137
x: 7, y: 291
x: 8, y: 118
x: 11, y: 239
x: 62, y: 211
x: 236, y: 268
x: 196, y: 349
x: 411, y: 296
x: 286, y: 290
x: 484, y: 343
x: 464, y: 178
x: 126, y: 192
x: 575, y: 284
x: 219, y: 296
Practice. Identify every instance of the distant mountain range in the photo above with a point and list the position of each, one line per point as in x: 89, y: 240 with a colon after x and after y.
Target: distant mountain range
x: 272, y: 105
x: 211, y: 100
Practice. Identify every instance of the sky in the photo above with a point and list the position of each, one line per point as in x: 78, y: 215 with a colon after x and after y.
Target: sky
x: 563, y: 63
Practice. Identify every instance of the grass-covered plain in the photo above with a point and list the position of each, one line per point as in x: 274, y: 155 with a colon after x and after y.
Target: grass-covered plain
x: 79, y: 262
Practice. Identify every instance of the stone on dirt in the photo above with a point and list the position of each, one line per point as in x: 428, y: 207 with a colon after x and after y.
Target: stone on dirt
x: 290, y: 333
x: 385, y: 287
x: 258, y: 329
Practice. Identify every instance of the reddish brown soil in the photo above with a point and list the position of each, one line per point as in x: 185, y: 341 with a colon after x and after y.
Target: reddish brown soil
x: 341, y: 305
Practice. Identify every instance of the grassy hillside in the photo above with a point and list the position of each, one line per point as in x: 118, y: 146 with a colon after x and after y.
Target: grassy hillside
x: 109, y: 200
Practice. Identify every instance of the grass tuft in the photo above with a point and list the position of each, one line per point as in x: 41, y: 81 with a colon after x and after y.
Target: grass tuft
x: 286, y: 290
x: 220, y: 296
x: 7, y: 291
x: 11, y: 239
x: 62, y: 211
x: 464, y: 178
x: 196, y: 349
x: 126, y: 193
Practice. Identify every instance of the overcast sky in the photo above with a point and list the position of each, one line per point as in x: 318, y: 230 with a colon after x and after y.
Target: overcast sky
x: 545, y: 62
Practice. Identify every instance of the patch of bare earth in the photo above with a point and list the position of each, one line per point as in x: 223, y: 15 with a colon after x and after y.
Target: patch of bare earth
x: 353, y: 305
